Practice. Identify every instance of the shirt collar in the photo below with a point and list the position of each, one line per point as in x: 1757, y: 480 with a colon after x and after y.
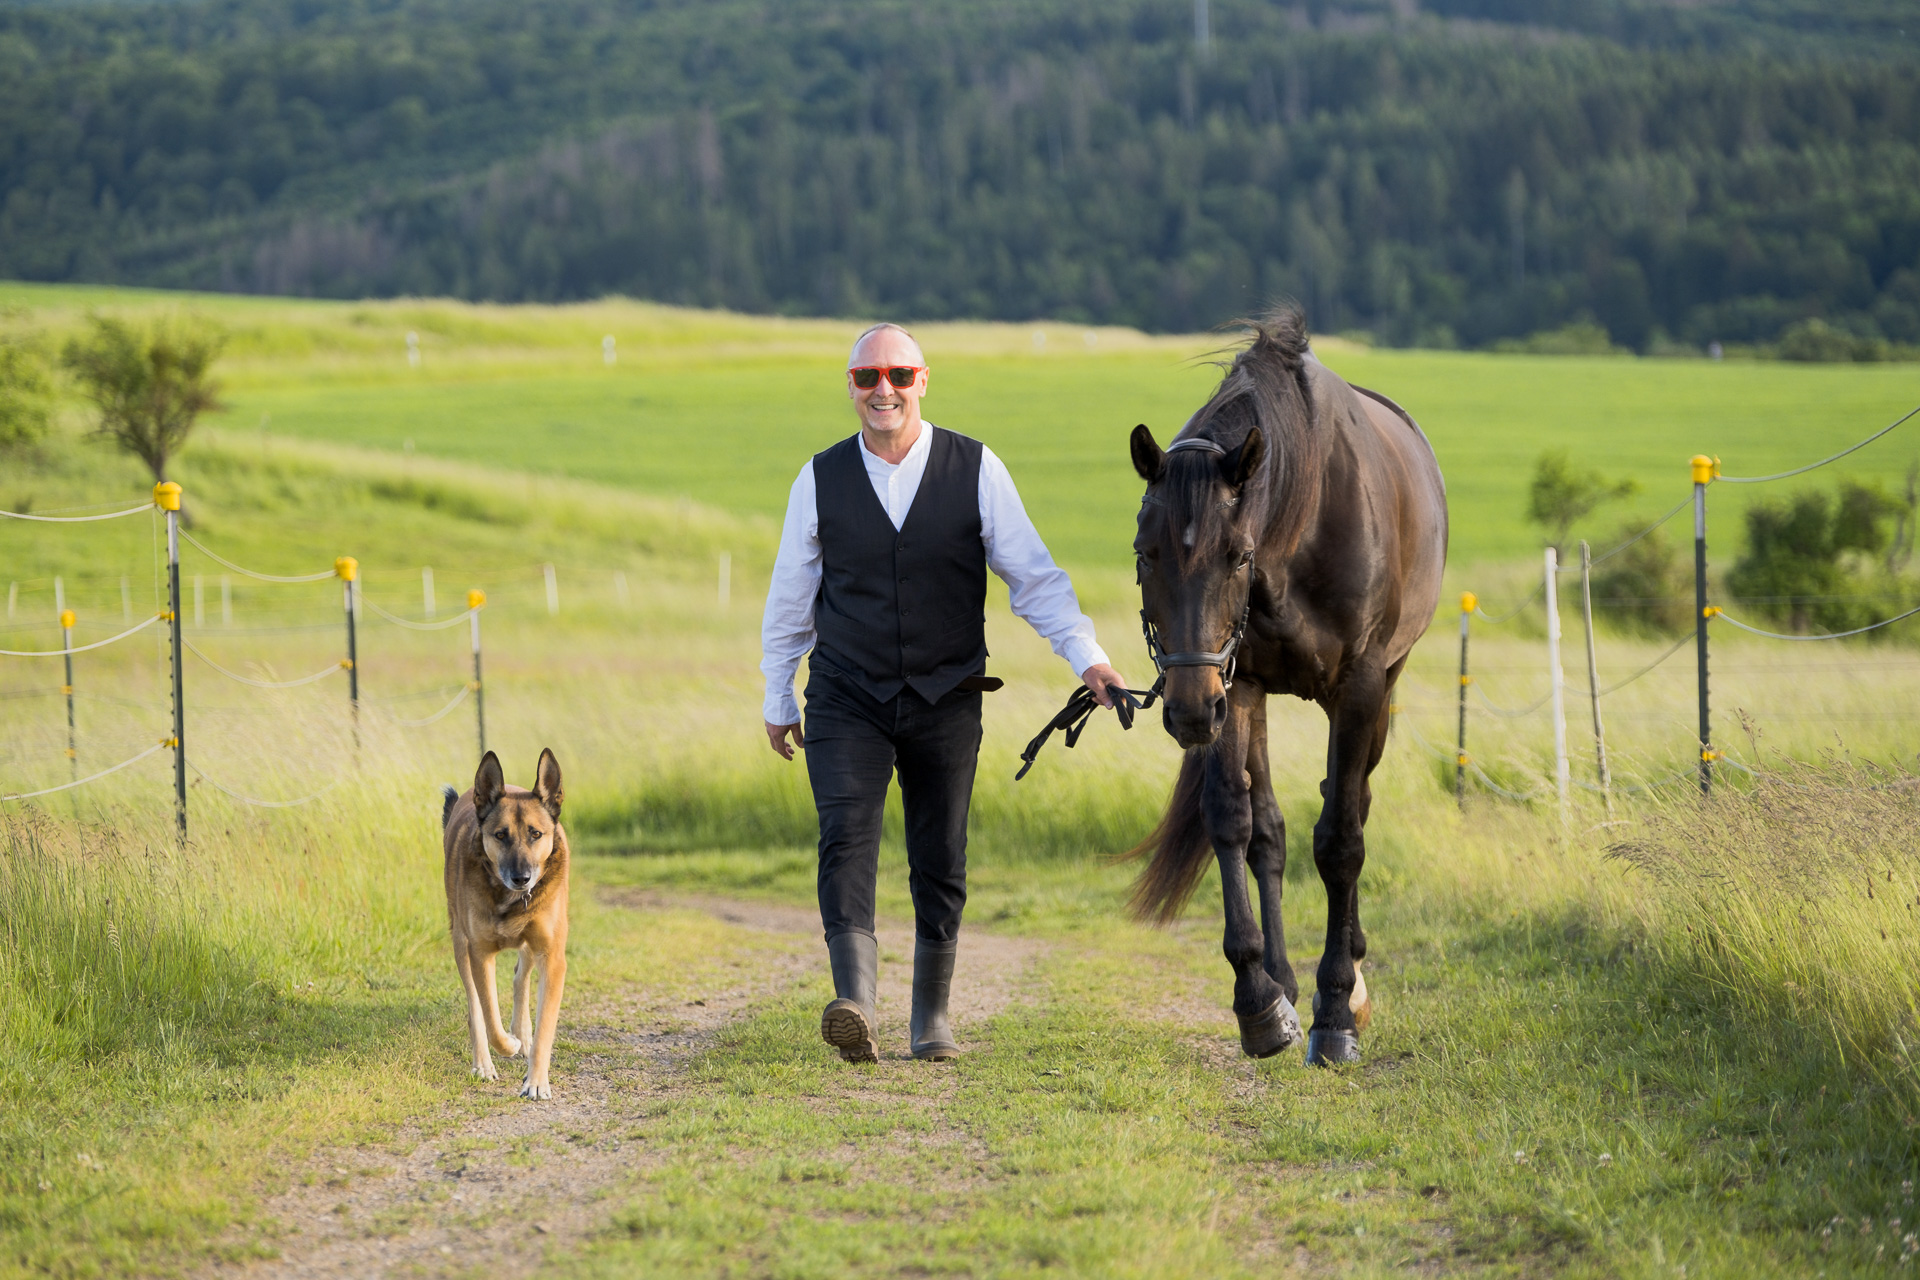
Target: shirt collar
x: 917, y: 451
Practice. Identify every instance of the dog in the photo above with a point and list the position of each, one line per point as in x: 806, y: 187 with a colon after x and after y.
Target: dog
x: 506, y: 877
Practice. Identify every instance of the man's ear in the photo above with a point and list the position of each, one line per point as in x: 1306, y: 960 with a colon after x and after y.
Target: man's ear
x: 546, y: 786
x: 488, y: 785
x: 1247, y: 459
x: 1148, y: 459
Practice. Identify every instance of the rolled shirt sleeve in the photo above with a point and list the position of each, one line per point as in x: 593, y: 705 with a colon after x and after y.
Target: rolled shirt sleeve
x: 1038, y: 589
x: 786, y: 628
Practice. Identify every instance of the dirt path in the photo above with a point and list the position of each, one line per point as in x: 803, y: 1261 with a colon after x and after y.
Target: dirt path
x: 525, y: 1181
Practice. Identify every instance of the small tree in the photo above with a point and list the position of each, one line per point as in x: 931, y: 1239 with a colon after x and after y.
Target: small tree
x: 1560, y: 495
x: 24, y: 391
x: 150, y: 386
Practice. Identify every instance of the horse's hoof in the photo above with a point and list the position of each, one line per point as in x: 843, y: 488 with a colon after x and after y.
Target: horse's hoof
x: 1332, y: 1048
x: 1266, y: 1034
x: 1361, y: 1002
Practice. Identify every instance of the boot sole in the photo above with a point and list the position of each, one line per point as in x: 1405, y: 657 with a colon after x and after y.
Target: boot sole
x: 845, y: 1027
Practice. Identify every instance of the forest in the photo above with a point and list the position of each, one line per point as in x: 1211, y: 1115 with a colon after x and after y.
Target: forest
x: 1447, y: 173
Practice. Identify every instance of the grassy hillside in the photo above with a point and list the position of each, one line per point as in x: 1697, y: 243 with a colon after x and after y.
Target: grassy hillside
x: 723, y: 409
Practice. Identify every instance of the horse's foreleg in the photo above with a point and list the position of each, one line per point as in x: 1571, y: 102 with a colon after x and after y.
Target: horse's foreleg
x: 1357, y: 737
x: 1268, y: 1022
x: 1267, y: 854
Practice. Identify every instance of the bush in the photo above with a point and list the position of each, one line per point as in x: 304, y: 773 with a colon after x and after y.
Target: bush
x: 1581, y: 338
x: 1812, y: 559
x: 1817, y: 342
x: 1648, y: 587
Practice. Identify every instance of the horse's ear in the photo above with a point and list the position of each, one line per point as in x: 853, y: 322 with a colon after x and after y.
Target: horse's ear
x: 489, y: 782
x: 1247, y: 458
x: 1148, y: 459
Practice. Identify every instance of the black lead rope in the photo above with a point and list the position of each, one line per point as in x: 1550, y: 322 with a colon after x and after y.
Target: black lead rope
x: 1079, y: 709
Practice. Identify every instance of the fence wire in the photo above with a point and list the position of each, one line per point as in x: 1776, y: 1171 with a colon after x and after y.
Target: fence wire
x: 162, y: 745
x: 97, y: 644
x: 332, y: 670
x: 1815, y: 466
x: 1832, y: 635
x: 255, y: 801
x: 110, y: 515
x: 219, y: 559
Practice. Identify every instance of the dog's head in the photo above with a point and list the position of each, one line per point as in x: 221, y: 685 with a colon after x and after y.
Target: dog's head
x: 517, y: 827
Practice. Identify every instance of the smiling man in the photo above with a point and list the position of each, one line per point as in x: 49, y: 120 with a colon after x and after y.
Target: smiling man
x: 882, y: 575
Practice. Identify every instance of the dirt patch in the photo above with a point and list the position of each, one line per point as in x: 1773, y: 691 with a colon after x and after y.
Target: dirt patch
x: 524, y: 1182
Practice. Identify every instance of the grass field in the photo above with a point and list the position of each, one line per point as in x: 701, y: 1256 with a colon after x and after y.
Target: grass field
x: 1673, y: 1036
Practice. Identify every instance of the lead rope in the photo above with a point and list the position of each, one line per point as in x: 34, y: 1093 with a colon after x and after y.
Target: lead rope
x: 1079, y: 710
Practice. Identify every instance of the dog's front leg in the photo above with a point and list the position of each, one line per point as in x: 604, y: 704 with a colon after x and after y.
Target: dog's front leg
x: 522, y: 1003
x: 463, y: 960
x: 490, y: 1007
x: 553, y: 978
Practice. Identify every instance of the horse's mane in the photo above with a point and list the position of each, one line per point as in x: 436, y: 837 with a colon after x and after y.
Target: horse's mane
x: 1266, y: 386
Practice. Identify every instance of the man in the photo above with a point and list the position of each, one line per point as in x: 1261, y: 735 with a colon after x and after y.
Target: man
x: 882, y: 574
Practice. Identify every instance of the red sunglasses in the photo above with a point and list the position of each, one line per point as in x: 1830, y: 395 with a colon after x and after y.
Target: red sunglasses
x: 867, y: 377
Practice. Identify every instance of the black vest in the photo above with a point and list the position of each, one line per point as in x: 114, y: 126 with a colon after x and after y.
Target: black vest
x: 907, y: 607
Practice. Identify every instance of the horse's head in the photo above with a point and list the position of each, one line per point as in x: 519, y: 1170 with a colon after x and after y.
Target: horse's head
x: 1194, y: 553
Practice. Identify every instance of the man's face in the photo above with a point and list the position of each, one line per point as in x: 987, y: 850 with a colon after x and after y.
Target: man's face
x: 886, y: 409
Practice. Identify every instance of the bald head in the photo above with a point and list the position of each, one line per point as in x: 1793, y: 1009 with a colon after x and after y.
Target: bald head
x: 885, y: 344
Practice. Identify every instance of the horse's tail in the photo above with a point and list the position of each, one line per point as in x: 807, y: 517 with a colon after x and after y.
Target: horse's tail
x: 1179, y: 847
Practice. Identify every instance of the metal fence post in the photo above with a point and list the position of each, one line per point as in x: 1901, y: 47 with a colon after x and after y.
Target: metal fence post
x: 348, y: 570
x: 1703, y: 469
x: 1593, y: 674
x: 476, y: 601
x: 166, y: 496
x: 66, y: 642
x: 1468, y: 603
x: 1557, y: 686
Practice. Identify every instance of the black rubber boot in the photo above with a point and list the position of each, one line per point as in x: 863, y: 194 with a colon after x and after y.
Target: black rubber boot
x: 932, y: 980
x: 848, y: 1022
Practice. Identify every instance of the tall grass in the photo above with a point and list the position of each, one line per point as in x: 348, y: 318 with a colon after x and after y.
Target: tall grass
x: 1799, y: 894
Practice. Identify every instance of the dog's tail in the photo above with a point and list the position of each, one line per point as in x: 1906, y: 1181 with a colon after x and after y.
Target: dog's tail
x: 448, y: 798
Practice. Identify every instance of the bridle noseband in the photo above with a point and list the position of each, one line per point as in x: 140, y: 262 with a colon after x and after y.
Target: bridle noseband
x: 1225, y: 657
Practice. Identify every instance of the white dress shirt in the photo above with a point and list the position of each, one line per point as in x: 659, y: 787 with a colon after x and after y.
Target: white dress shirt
x: 1038, y: 588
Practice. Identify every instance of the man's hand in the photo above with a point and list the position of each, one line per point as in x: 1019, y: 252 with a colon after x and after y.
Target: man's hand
x: 777, y: 738
x: 1099, y: 677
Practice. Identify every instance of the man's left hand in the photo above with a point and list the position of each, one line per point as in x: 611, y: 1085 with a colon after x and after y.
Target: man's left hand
x: 1099, y: 677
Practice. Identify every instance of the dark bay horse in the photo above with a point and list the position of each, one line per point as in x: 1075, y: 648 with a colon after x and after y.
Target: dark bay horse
x: 1291, y: 541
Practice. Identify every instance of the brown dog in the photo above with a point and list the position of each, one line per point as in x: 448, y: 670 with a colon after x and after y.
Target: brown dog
x: 507, y: 887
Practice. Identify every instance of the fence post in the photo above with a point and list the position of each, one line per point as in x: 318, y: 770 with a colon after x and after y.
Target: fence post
x: 66, y: 642
x: 726, y: 577
x: 476, y: 601
x: 1468, y: 603
x: 1557, y: 687
x: 553, y: 592
x: 166, y: 496
x: 1703, y: 468
x: 1593, y: 675
x: 348, y: 570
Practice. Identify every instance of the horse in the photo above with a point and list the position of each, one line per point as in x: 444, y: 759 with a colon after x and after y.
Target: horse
x: 1291, y: 541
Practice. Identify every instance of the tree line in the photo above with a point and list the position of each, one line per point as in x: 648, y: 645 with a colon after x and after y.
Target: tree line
x: 1448, y: 177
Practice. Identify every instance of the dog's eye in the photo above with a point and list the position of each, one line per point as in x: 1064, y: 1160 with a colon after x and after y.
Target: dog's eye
x: 532, y: 834
x: 503, y: 835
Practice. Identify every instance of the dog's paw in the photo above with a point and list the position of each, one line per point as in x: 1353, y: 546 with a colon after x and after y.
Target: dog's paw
x: 509, y: 1047
x: 541, y: 1092
x: 486, y: 1070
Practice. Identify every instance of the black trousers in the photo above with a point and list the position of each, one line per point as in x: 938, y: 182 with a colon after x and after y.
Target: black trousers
x: 855, y: 743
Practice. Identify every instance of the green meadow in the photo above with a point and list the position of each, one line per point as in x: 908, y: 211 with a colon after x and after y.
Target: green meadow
x: 1650, y: 1037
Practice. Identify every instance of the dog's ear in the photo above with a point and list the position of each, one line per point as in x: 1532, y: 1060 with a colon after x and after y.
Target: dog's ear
x: 489, y: 783
x: 546, y: 786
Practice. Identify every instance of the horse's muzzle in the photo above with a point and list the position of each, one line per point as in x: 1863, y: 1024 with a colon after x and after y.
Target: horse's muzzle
x: 1195, y: 706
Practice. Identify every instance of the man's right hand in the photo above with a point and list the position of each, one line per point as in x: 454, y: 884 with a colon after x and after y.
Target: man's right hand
x: 777, y: 738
